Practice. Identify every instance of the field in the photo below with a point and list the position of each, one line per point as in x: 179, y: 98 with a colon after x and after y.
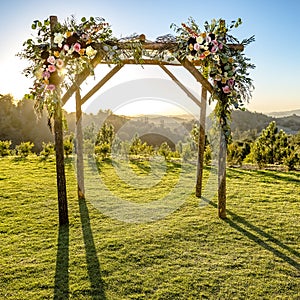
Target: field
x: 188, y: 254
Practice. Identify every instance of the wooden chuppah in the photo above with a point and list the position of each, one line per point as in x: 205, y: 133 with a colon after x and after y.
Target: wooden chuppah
x: 189, y: 66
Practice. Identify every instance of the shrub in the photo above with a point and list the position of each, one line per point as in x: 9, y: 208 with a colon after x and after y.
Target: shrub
x: 68, y: 145
x: 5, y: 148
x: 24, y: 149
x: 48, y: 149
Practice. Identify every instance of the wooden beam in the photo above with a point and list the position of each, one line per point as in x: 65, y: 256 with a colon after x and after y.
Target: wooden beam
x: 81, y: 78
x: 222, y: 176
x: 201, y: 143
x: 59, y: 151
x: 198, y: 76
x: 108, y: 76
x: 79, y: 148
x: 189, y: 94
x: 162, y: 46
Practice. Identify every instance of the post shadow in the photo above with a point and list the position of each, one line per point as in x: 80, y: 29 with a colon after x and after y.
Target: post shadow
x: 93, y: 265
x: 61, y: 285
x: 237, y: 220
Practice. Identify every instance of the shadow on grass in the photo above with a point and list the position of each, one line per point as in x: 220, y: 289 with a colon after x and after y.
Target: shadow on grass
x: 93, y: 265
x: 257, y: 236
x: 61, y: 285
x: 291, y: 176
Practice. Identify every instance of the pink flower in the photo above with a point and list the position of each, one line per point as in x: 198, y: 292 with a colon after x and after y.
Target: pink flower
x: 51, y: 87
x: 77, y: 47
x: 231, y: 83
x: 51, y: 60
x: 214, y: 49
x: 59, y: 63
x: 215, y: 43
x: 66, y: 47
x: 46, y: 74
x: 197, y: 47
x: 208, y: 39
x: 226, y: 89
x: 220, y: 46
x: 51, y: 68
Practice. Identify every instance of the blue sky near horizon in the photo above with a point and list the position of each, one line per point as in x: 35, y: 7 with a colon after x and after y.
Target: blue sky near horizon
x: 274, y: 24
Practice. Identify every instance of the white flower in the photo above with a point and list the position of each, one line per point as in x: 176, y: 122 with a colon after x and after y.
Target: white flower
x: 199, y: 39
x: 105, y: 48
x: 58, y: 38
x: 90, y: 51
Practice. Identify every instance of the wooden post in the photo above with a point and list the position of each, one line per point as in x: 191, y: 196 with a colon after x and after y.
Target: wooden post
x: 201, y: 142
x: 79, y: 147
x: 222, y: 176
x: 59, y: 152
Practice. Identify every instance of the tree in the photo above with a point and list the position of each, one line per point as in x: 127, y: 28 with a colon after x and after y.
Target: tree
x: 104, y: 139
x: 274, y: 147
x: 139, y: 148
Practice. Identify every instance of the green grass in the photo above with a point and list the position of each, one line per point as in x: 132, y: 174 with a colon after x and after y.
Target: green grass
x: 189, y: 254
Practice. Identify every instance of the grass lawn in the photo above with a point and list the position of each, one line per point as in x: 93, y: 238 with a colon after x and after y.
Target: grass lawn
x: 187, y: 254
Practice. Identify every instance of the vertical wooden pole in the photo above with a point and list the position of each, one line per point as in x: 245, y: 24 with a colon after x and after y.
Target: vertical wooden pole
x: 79, y: 147
x: 201, y: 142
x: 222, y: 176
x: 59, y: 152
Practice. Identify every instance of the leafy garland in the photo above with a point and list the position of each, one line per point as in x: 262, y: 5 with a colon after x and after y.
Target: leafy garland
x: 57, y: 56
x: 224, y: 66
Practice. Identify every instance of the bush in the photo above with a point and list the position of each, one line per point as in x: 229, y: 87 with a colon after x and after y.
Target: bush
x: 68, y: 145
x: 48, y: 149
x: 5, y: 148
x: 207, y: 155
x: 102, y: 150
x: 24, y: 149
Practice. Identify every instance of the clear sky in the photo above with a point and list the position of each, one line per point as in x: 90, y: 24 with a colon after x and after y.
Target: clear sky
x: 275, y: 52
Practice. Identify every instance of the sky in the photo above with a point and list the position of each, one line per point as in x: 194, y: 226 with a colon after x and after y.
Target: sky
x: 275, y: 52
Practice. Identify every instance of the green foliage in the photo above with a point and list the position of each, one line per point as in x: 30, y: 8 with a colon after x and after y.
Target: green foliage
x: 104, y: 139
x: 207, y: 155
x: 68, y: 145
x: 164, y: 150
x: 5, y: 148
x: 19, y: 122
x: 106, y: 134
x: 140, y: 149
x: 24, y: 149
x: 273, y: 147
x: 103, y: 150
x: 48, y: 150
x: 237, y: 152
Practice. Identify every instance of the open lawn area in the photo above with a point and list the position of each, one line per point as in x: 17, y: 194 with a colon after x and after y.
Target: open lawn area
x: 188, y: 254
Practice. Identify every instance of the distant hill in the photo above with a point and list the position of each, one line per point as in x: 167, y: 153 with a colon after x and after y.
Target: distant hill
x: 284, y: 113
x: 252, y: 121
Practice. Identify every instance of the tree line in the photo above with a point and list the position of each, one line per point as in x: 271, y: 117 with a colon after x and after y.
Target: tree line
x: 22, y: 132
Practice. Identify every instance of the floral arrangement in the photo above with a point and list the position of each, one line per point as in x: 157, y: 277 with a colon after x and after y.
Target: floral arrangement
x: 59, y: 53
x: 221, y: 63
